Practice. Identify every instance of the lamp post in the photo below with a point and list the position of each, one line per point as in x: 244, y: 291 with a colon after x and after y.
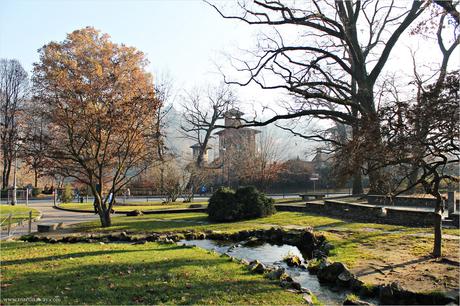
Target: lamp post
x: 14, y: 199
x: 223, y: 164
x: 314, y: 178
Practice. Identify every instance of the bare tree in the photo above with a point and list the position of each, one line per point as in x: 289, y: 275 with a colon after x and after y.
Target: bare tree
x: 423, y: 133
x: 262, y: 167
x: 332, y: 67
x: 35, y: 139
x: 435, y: 112
x: 174, y: 179
x: 13, y: 91
x: 163, y: 94
x: 201, y: 115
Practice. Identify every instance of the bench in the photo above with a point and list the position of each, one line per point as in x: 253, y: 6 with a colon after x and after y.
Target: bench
x: 49, y: 227
x: 307, y: 196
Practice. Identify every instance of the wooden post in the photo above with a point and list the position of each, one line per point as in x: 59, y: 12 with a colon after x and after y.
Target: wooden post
x: 54, y: 197
x: 30, y: 222
x: 27, y: 196
x: 9, y: 224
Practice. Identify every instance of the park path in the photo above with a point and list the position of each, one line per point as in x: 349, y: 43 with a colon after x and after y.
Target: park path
x: 49, y: 215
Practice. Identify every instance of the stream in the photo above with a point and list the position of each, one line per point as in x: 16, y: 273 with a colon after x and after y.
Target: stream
x: 272, y: 255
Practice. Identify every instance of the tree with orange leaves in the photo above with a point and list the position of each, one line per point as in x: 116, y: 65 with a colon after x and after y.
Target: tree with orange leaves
x: 99, y: 102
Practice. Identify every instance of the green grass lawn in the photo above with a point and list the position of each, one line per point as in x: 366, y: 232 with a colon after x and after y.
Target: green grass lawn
x: 152, y: 205
x: 158, y: 203
x: 200, y: 222
x: 352, y: 240
x: 288, y: 200
x: 130, y: 274
x: 133, y: 206
x: 19, y: 212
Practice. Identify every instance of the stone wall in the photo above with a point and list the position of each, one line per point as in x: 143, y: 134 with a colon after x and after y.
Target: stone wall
x: 365, y: 213
x: 455, y: 219
x: 409, y: 217
x: 310, y: 207
x: 401, y: 201
x: 359, y: 212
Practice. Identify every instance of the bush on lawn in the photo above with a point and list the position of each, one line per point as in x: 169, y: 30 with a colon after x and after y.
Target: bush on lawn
x: 67, y: 194
x: 36, y: 191
x: 246, y: 203
x: 222, y: 205
x: 254, y: 204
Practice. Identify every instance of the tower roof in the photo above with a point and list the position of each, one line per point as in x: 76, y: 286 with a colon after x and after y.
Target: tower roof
x: 233, y: 113
x: 239, y: 131
x: 197, y: 146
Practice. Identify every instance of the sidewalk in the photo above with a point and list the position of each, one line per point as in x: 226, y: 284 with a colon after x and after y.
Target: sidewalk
x: 49, y: 215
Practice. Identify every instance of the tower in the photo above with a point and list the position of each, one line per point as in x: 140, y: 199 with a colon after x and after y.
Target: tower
x: 196, y: 151
x: 236, y: 147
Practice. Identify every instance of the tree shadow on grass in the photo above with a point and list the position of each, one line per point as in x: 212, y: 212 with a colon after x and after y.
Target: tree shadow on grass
x: 331, y: 225
x: 82, y: 254
x: 391, y: 267
x: 147, y: 224
x: 191, y: 277
x: 359, y: 238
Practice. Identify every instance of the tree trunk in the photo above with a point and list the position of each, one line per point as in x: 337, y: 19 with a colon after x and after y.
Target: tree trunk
x: 412, y: 179
x: 104, y: 214
x: 357, y: 183
x: 35, y: 178
x: 6, y: 173
x: 4, y: 182
x: 377, y: 184
x: 106, y: 220
x: 437, y: 247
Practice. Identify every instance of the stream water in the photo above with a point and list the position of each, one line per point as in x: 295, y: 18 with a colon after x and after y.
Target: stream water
x: 272, y: 255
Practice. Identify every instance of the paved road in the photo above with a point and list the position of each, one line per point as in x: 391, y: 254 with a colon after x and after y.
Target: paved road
x: 147, y: 199
x: 49, y: 215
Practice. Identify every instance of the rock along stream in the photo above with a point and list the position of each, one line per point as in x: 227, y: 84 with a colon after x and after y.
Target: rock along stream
x: 272, y: 255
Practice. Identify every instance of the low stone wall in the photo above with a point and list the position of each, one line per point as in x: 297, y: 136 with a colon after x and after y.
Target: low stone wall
x: 359, y: 212
x: 401, y: 201
x: 310, y: 208
x: 456, y: 219
x: 364, y: 213
x: 409, y: 217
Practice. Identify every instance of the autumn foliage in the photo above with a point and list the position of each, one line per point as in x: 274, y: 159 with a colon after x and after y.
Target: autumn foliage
x: 99, y: 101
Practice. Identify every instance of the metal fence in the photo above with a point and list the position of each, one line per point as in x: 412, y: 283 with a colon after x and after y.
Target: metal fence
x: 22, y: 196
x: 9, y: 223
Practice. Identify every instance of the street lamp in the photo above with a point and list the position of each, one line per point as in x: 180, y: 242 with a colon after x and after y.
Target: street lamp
x: 223, y: 164
x: 14, y: 199
x: 314, y: 178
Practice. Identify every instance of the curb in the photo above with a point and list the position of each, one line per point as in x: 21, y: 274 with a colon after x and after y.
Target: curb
x: 146, y: 212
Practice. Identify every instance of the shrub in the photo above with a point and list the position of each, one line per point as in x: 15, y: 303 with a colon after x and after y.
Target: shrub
x: 36, y: 191
x: 67, y: 194
x: 254, y: 203
x: 247, y: 203
x: 222, y: 205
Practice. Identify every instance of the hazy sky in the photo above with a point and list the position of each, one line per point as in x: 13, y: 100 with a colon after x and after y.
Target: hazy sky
x: 181, y: 37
